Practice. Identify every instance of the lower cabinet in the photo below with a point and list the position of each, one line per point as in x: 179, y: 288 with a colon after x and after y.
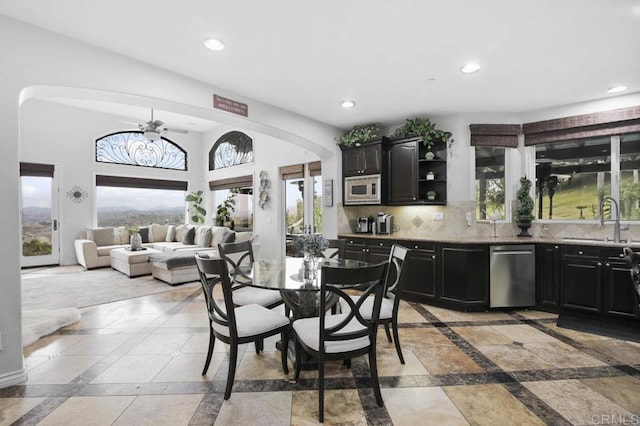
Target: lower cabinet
x: 581, y: 279
x: 548, y: 277
x: 618, y: 298
x: 419, y: 280
x: 368, y: 249
x: 464, y: 276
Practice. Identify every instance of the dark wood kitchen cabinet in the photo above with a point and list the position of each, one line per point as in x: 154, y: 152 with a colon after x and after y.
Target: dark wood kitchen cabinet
x: 413, y: 179
x: 581, y: 275
x: 548, y: 277
x: 419, y: 278
x: 368, y: 250
x: 619, y: 297
x: 367, y: 159
x: 464, y: 276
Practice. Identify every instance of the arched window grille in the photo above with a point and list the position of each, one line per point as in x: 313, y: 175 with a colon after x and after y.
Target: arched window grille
x: 233, y: 148
x: 132, y: 148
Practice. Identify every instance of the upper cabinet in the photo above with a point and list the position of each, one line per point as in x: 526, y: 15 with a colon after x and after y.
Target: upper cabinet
x: 414, y: 176
x: 366, y: 159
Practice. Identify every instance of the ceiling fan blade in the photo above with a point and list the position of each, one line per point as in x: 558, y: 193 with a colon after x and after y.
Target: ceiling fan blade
x: 175, y: 130
x: 156, y: 123
x: 129, y: 122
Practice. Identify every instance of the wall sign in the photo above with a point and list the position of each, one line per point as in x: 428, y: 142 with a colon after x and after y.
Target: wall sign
x: 230, y: 105
x: 327, y: 195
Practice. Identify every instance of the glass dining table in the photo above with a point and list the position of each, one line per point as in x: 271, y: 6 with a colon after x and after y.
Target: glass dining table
x: 297, y: 280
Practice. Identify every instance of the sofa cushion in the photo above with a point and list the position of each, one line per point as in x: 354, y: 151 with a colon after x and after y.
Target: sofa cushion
x: 157, y: 232
x: 180, y: 230
x: 217, y: 232
x: 102, y: 236
x: 244, y: 236
x: 228, y: 237
x: 188, y: 236
x: 121, y: 235
x: 144, y: 233
x: 202, y: 236
x: 171, y: 234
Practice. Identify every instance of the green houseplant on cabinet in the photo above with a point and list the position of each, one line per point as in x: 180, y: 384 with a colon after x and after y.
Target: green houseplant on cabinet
x: 196, y: 212
x: 426, y: 130
x: 225, y: 209
x: 523, y: 213
x: 360, y: 134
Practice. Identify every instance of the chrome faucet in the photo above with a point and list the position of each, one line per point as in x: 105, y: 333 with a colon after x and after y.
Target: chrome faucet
x: 616, y: 226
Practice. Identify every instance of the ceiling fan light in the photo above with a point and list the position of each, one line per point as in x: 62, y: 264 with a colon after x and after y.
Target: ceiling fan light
x: 213, y: 44
x: 152, y: 135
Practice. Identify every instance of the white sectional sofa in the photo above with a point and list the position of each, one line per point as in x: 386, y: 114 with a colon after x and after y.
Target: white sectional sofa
x: 93, y: 248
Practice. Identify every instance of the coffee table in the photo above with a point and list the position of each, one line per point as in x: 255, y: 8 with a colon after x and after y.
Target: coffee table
x: 132, y: 263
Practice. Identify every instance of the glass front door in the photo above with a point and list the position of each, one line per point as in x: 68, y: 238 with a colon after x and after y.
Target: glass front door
x: 39, y: 220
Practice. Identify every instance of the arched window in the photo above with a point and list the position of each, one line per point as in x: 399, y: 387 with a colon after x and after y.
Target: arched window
x: 231, y: 149
x: 132, y: 148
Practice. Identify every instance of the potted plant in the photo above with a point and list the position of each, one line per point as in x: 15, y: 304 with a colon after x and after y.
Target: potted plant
x: 225, y: 209
x: 425, y: 129
x: 360, y: 134
x: 196, y: 212
x: 523, y: 213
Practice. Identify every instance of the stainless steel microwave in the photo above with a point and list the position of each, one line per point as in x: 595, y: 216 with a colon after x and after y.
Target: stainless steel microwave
x: 362, y: 190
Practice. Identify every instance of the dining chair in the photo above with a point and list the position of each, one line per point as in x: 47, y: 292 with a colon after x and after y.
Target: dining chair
x: 236, y: 325
x: 338, y: 246
x: 633, y: 262
x: 346, y: 335
x: 391, y: 300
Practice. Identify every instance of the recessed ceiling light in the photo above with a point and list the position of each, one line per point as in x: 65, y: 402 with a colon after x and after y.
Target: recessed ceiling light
x: 470, y: 68
x: 617, y: 89
x: 347, y: 104
x: 213, y: 44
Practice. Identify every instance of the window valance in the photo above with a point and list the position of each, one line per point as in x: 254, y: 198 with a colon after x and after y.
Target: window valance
x: 499, y: 135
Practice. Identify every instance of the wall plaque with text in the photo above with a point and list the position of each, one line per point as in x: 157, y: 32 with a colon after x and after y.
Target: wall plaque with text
x: 230, y: 105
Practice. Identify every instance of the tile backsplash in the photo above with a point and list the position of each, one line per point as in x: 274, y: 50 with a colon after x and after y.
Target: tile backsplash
x: 422, y: 222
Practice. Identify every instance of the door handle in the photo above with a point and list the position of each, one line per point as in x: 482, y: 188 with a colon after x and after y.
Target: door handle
x: 55, y: 224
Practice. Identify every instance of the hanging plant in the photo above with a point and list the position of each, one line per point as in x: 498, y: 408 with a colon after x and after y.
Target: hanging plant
x: 425, y: 129
x: 360, y: 134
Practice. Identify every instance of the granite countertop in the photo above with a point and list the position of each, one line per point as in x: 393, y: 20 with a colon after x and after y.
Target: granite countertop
x: 497, y: 240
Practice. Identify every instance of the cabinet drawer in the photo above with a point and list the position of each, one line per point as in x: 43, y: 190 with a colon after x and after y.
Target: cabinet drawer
x: 614, y: 254
x: 581, y: 251
x: 380, y: 243
x: 355, y: 241
x: 419, y: 245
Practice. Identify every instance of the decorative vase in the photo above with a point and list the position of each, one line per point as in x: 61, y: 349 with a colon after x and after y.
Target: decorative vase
x: 309, y: 267
x: 524, y: 226
x: 429, y: 155
x: 136, y: 241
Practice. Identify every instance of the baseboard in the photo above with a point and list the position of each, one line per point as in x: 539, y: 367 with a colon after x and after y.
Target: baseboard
x: 13, y: 378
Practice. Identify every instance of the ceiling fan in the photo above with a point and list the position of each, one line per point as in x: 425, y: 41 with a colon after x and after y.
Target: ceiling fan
x: 153, y: 129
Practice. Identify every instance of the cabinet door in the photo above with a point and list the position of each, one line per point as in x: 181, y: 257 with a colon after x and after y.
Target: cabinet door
x: 548, y: 277
x: 619, y: 294
x: 464, y: 276
x: 403, y: 173
x: 352, y: 162
x: 419, y: 279
x: 355, y: 250
x: 582, y: 283
x: 371, y: 157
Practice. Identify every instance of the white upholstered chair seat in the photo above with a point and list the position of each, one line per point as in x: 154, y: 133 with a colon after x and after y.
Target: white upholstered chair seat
x: 308, y: 331
x: 386, y: 309
x: 253, y: 320
x: 259, y: 296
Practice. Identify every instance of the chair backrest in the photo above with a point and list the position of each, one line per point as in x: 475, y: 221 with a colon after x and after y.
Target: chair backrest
x: 236, y: 254
x: 393, y: 279
x: 333, y: 278
x: 213, y: 272
x: 340, y: 245
x: 633, y: 261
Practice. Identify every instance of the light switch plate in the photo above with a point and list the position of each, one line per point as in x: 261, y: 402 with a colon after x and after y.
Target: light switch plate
x: 469, y: 218
x: 438, y: 216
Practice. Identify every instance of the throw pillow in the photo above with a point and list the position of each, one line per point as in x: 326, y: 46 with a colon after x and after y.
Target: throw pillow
x: 228, y: 237
x: 171, y: 234
x: 244, y: 236
x: 180, y: 230
x: 203, y: 236
x: 157, y: 232
x: 102, y: 236
x: 121, y: 235
x: 189, y: 236
x: 144, y: 233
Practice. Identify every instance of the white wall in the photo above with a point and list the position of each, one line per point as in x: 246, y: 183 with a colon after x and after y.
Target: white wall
x: 39, y: 64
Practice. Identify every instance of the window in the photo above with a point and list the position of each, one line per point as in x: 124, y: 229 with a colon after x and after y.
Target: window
x: 123, y: 201
x: 572, y: 177
x: 490, y: 182
x: 132, y: 148
x: 232, y: 149
x: 629, y: 179
x: 233, y: 202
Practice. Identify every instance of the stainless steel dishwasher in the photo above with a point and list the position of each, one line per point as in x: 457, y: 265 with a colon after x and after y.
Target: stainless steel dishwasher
x: 512, y: 276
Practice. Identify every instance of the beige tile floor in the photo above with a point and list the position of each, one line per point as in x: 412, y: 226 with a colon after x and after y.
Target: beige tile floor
x: 138, y: 362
